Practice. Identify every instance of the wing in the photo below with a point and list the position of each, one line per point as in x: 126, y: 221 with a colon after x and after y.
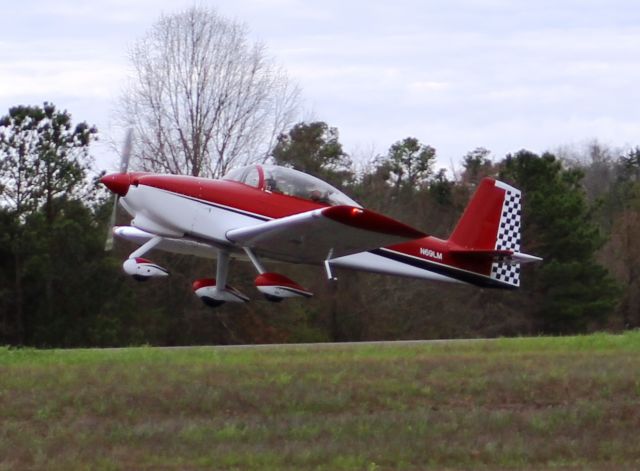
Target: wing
x: 317, y: 235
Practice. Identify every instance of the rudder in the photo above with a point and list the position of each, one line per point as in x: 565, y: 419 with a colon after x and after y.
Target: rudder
x: 508, y: 237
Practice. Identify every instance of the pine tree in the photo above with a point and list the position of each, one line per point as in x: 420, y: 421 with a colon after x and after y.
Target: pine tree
x: 570, y: 290
x: 43, y: 164
x: 314, y: 148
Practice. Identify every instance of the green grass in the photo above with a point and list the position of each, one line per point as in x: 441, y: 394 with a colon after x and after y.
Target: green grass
x: 534, y: 403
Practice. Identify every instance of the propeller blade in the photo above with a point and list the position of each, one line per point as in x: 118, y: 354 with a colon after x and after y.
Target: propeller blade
x: 108, y: 245
x: 124, y: 166
x: 126, y: 151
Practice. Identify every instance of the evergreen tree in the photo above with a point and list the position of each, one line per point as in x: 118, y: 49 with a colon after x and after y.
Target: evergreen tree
x: 62, y: 282
x: 90, y: 302
x: 477, y: 165
x: 571, y: 290
x: 314, y: 148
x: 7, y: 276
x: 42, y: 156
x: 410, y: 163
x: 441, y: 189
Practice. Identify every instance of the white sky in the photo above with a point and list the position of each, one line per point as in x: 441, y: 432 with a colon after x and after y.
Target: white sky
x: 457, y: 75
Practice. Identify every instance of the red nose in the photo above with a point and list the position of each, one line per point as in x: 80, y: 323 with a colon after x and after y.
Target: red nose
x: 117, y: 182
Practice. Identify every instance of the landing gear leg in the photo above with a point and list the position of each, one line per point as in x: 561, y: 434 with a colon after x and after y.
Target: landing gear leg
x: 327, y: 267
x: 222, y: 270
x: 255, y: 261
x: 144, y: 248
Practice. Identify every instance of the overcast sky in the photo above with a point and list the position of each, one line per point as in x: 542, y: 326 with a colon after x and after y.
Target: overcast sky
x: 456, y: 74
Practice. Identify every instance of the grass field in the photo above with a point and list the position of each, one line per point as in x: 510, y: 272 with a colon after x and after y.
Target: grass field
x: 561, y: 403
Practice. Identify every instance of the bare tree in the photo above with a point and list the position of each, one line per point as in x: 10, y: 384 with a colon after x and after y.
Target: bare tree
x: 202, y: 98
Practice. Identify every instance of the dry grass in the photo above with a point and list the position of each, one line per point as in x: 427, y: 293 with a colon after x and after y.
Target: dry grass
x: 566, y: 403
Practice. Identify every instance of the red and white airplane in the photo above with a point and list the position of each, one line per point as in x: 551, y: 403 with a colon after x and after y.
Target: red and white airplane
x: 265, y: 212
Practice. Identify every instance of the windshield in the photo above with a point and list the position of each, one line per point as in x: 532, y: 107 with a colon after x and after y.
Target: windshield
x: 301, y: 185
x: 290, y: 182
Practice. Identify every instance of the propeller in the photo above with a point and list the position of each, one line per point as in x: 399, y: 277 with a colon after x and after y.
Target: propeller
x: 124, y: 166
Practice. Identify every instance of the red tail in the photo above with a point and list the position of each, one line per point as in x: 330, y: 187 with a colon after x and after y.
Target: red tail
x: 478, y: 226
x: 490, y: 230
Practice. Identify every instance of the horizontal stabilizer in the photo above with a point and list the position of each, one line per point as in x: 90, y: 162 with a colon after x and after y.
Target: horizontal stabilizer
x: 525, y: 258
x: 481, y: 253
x: 508, y: 256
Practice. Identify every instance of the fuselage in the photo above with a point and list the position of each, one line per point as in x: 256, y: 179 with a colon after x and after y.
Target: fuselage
x: 205, y: 210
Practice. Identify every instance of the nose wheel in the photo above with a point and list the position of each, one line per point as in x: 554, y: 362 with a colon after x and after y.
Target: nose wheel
x: 141, y: 269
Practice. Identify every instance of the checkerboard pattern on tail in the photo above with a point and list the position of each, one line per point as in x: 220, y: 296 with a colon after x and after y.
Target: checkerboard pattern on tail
x: 508, y: 237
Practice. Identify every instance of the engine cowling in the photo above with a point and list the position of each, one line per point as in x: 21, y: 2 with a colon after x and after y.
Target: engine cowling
x: 209, y: 293
x: 277, y: 287
x: 142, y: 269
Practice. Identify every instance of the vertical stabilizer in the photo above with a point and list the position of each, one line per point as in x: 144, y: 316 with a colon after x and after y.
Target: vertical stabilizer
x: 491, y: 223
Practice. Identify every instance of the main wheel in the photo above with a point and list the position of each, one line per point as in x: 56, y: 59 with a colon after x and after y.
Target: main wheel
x: 140, y: 278
x: 212, y: 302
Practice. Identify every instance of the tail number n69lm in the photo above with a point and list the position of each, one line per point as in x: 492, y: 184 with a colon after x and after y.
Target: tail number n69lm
x: 429, y: 253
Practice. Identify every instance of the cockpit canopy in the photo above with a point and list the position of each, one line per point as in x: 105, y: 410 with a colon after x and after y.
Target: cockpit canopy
x: 290, y: 182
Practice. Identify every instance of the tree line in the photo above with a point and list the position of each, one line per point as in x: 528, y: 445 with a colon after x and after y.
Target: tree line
x: 58, y: 287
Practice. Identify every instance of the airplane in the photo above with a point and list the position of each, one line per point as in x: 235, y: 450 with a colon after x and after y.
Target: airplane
x: 265, y: 213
